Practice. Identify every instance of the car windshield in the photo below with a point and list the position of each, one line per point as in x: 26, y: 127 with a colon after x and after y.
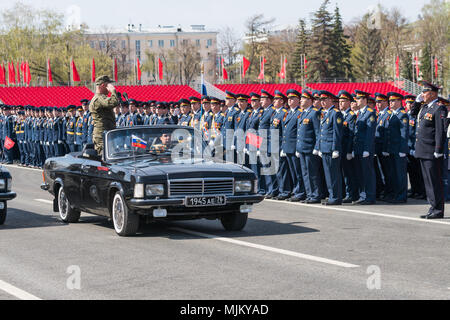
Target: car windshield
x: 154, y: 142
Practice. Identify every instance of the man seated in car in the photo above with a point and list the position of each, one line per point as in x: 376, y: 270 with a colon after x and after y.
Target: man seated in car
x: 163, y: 143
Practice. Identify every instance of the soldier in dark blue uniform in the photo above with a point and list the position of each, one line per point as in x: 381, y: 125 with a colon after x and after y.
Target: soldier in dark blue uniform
x: 350, y: 191
x: 56, y: 133
x: 430, y: 146
x: 50, y: 133
x: 20, y: 134
x: 135, y: 117
x: 282, y: 186
x: 147, y: 114
x: 8, y: 132
x: 217, y: 121
x: 186, y: 116
x: 269, y: 167
x: 124, y: 117
x: 364, y: 149
x: 308, y: 132
x: 330, y: 147
x: 205, y: 121
x: 240, y: 126
x: 196, y: 111
x: 163, y: 118
x: 288, y: 147
x: 86, y: 117
x: 229, y: 127
x: 399, y: 147
x: 78, y: 143
x: 2, y: 138
x: 417, y: 190
x: 70, y: 128
x: 383, y: 159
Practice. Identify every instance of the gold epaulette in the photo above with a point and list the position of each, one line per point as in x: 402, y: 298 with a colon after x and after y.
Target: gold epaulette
x: 389, y: 111
x: 352, y: 113
x: 370, y: 110
x: 274, y: 108
x: 284, y: 110
x: 315, y: 109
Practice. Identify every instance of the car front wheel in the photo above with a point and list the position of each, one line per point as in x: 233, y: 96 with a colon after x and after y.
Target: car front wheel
x: 3, y: 213
x: 234, y: 221
x: 126, y: 223
x: 66, y: 212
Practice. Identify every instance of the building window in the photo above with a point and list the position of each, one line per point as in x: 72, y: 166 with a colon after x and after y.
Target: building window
x: 161, y: 43
x: 197, y: 43
x: 138, y: 48
x: 124, y: 44
x: 102, y: 44
x: 150, y: 43
x: 209, y: 42
x: 185, y: 42
x: 172, y: 43
x: 92, y: 44
x: 113, y: 44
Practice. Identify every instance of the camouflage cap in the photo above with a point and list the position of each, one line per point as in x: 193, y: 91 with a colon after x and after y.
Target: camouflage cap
x: 102, y: 79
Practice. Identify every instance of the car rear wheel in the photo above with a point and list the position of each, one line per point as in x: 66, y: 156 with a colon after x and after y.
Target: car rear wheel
x: 3, y: 213
x: 126, y: 222
x: 66, y: 212
x: 234, y: 221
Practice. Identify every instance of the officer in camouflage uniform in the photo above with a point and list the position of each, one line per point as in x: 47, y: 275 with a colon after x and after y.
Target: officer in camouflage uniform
x: 101, y: 109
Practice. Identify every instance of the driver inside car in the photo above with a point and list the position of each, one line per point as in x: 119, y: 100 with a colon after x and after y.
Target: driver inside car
x: 162, y: 144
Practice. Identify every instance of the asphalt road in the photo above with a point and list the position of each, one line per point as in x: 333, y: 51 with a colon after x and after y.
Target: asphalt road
x: 286, y: 251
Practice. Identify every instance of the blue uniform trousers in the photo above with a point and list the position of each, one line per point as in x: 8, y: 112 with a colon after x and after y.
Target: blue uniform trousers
x: 284, y: 178
x: 365, y: 177
x: 348, y: 173
x: 333, y: 178
x: 298, y: 189
x: 401, y: 178
x: 310, y: 165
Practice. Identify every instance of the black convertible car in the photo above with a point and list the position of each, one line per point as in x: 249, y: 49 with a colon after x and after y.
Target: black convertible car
x: 148, y: 173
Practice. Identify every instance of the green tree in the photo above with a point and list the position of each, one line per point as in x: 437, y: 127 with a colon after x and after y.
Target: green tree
x: 425, y: 62
x: 296, y: 67
x: 339, y: 64
x: 321, y: 43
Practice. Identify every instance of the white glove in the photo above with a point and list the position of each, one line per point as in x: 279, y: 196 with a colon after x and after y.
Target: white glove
x: 282, y: 154
x: 245, y: 150
x: 258, y: 153
x: 386, y: 154
x: 401, y: 154
x: 60, y: 141
x: 211, y: 143
x: 353, y: 154
x: 335, y: 154
x: 315, y: 152
x: 320, y: 154
x: 349, y: 156
x: 365, y: 154
x: 412, y: 152
x: 438, y: 155
x: 419, y: 98
x: 233, y: 147
x: 297, y: 154
x: 41, y: 143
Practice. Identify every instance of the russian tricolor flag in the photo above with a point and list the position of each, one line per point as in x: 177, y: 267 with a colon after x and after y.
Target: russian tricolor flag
x: 138, y: 142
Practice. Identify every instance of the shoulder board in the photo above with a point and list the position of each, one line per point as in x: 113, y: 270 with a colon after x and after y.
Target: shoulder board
x: 336, y: 109
x: 273, y: 108
x: 261, y: 111
x: 352, y: 113
x: 284, y: 110
x: 315, y: 109
x: 389, y: 111
x: 222, y: 114
x: 402, y: 111
x: 370, y: 109
x: 249, y: 110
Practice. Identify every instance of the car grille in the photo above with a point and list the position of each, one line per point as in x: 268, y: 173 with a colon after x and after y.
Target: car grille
x: 189, y: 187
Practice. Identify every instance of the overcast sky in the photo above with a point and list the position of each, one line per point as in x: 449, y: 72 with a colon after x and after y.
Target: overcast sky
x: 214, y: 14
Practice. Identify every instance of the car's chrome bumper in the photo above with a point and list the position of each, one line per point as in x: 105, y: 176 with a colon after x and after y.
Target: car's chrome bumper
x: 4, y: 196
x: 151, y: 203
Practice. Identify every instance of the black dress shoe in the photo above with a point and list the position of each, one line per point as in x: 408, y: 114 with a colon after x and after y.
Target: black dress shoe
x: 268, y: 196
x: 394, y: 201
x: 312, y: 201
x: 281, y: 197
x: 294, y: 199
x: 332, y: 203
x: 347, y: 200
x: 363, y: 202
x: 420, y: 197
x: 433, y: 216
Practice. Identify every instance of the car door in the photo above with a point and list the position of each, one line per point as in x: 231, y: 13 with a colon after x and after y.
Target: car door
x: 95, y: 183
x: 71, y: 177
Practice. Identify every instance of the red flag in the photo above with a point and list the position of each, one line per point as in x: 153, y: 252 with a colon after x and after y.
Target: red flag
x: 115, y: 70
x: 2, y: 74
x: 9, y: 143
x: 75, y: 75
x: 306, y: 67
x: 245, y: 66
x: 436, y: 68
x: 261, y: 73
x: 93, y: 70
x: 28, y: 73
x: 160, y: 69
x: 253, y: 140
x: 11, y: 73
x: 397, y: 67
x: 224, y: 71
x: 49, y: 71
x: 139, y: 73
x: 18, y: 72
x: 282, y: 73
x: 417, y: 66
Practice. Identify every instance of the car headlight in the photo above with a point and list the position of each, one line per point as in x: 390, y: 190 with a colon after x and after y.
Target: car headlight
x: 9, y: 184
x: 243, y: 186
x: 154, y: 190
x: 2, y: 183
x: 139, y: 190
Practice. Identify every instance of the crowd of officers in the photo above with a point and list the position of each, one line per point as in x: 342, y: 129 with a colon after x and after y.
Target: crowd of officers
x: 349, y: 148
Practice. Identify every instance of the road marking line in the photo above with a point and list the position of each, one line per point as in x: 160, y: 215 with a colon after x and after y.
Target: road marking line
x: 334, y: 208
x: 44, y: 201
x: 18, y: 167
x: 267, y: 248
x: 16, y: 292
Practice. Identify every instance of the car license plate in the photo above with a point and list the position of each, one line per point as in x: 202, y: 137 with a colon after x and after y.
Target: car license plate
x: 205, y: 201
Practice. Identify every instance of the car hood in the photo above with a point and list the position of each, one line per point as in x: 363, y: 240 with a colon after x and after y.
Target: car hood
x: 199, y: 170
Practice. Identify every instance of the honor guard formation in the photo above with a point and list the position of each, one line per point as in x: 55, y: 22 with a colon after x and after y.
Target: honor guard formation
x: 351, y: 148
